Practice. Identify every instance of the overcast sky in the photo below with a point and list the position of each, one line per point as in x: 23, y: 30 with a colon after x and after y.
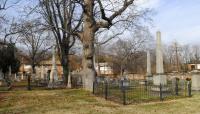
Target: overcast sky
x: 177, y: 19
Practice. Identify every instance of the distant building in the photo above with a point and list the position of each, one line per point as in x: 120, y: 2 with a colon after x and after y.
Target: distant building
x: 46, y: 65
x: 103, y: 69
x: 193, y: 66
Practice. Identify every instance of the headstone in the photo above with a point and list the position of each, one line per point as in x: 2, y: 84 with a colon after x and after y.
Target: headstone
x: 42, y: 72
x: 173, y: 82
x: 33, y: 76
x: 149, y: 75
x: 69, y: 85
x: 159, y: 78
x: 196, y: 80
x: 53, y: 74
x: 182, y: 84
x: 15, y: 76
x: 125, y: 83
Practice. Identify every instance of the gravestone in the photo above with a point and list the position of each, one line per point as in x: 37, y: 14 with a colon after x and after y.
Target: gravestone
x: 149, y: 76
x: 53, y: 74
x: 22, y: 76
x: 159, y: 77
x: 124, y: 82
x: 196, y: 80
x: 42, y: 72
x: 173, y: 82
x: 182, y: 84
x: 69, y: 85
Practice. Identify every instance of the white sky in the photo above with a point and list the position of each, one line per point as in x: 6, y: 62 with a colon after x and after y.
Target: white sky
x: 177, y: 19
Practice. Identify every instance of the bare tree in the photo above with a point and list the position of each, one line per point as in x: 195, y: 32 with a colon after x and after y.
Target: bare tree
x: 127, y: 52
x: 62, y: 17
x: 36, y: 40
x: 3, y: 4
x: 186, y: 52
x: 196, y: 54
x: 83, y: 19
x: 97, y: 15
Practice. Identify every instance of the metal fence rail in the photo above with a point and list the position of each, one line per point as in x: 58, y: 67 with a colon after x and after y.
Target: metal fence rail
x: 135, y: 92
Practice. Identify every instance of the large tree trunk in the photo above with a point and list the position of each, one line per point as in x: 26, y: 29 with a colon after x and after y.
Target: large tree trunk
x: 88, y: 38
x: 30, y: 75
x: 8, y: 81
x: 89, y: 72
x: 65, y: 65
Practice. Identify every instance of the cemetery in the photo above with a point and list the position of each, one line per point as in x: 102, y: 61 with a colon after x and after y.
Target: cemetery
x: 99, y: 57
x: 153, y: 88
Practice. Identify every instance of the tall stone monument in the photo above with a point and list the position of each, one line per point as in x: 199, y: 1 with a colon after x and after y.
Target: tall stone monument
x: 160, y: 77
x: 149, y: 74
x: 54, y: 73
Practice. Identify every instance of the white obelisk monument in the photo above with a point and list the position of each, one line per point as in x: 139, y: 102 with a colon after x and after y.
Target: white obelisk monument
x: 53, y: 74
x: 159, y: 78
x: 149, y: 74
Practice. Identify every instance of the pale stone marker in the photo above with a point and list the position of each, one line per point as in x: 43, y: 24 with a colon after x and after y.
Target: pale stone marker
x: 159, y: 78
x: 42, y: 72
x: 22, y: 76
x: 15, y: 76
x: 196, y: 80
x: 53, y: 74
x: 149, y: 74
x: 69, y: 80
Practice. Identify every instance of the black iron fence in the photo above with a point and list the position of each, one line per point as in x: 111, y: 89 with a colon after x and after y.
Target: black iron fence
x: 125, y: 92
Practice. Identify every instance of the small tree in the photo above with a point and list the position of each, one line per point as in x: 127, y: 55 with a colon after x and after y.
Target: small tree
x: 129, y: 51
x: 8, y: 59
x: 36, y: 40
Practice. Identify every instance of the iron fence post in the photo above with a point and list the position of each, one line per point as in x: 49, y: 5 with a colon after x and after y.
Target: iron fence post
x: 124, y: 93
x: 93, y: 87
x: 145, y: 84
x: 161, y: 98
x: 106, y: 90
x: 176, y: 88
x: 189, y: 89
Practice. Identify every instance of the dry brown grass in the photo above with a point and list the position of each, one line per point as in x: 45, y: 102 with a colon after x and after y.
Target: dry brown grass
x: 82, y: 102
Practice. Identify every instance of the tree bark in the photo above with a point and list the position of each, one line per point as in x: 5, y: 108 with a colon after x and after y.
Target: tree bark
x: 89, y: 72
x: 65, y: 66
x: 88, y: 37
x: 29, y: 82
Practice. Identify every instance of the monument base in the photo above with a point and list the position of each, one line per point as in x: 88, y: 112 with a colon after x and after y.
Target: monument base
x: 149, y: 78
x: 159, y: 79
x: 52, y: 85
x: 195, y: 81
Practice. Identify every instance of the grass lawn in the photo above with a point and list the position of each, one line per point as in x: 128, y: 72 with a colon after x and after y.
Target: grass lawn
x: 81, y: 102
